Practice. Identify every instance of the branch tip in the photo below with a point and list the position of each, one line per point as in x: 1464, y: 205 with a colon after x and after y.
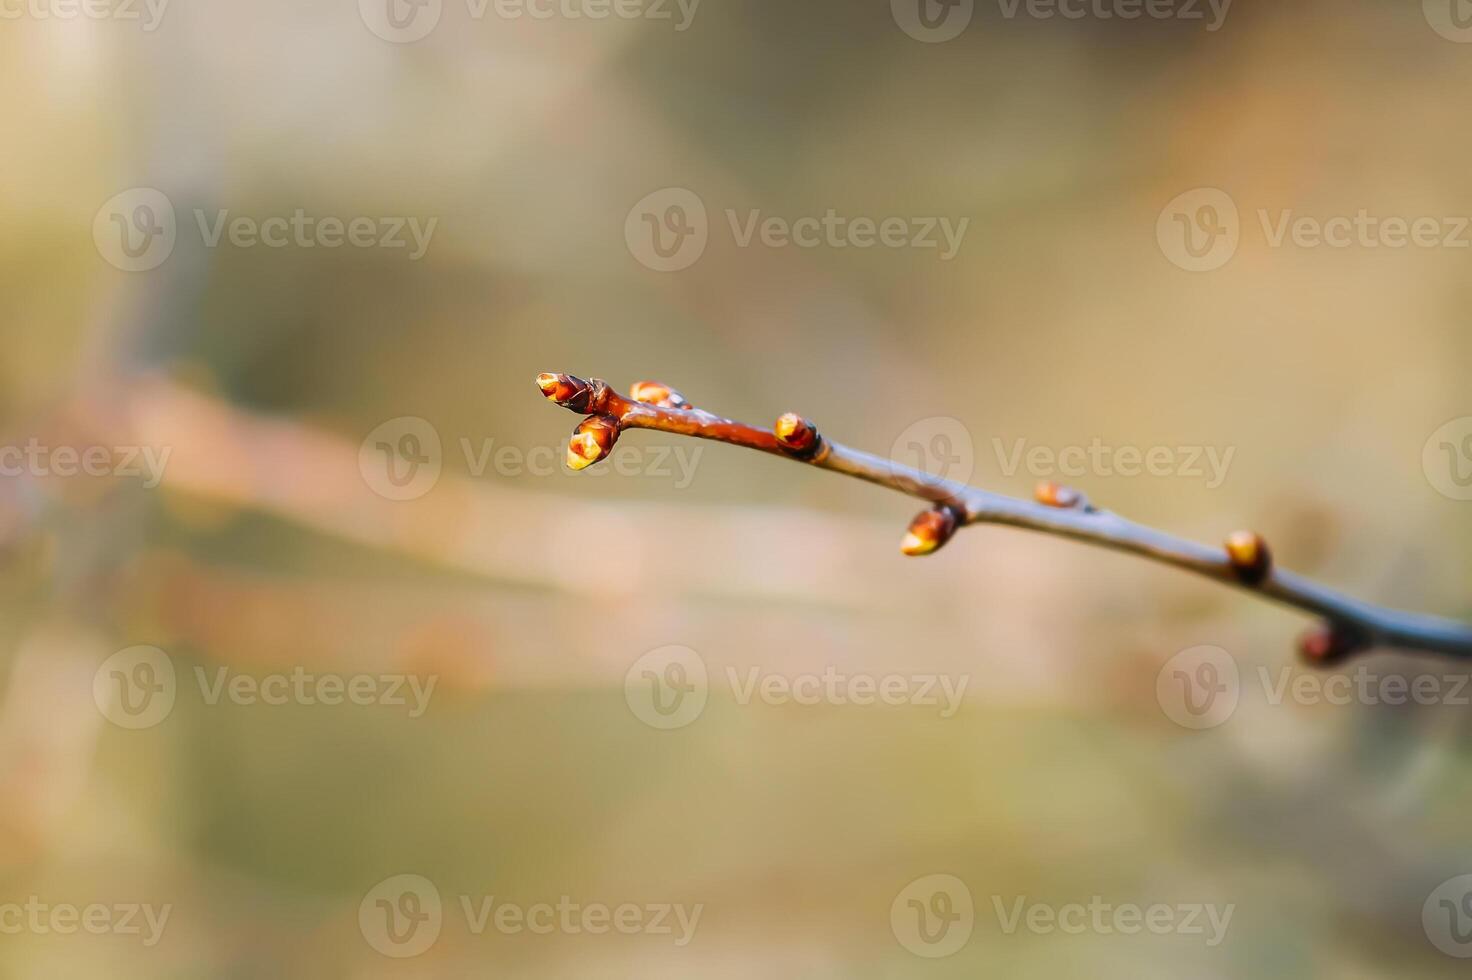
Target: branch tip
x: 591, y: 441
x: 568, y: 391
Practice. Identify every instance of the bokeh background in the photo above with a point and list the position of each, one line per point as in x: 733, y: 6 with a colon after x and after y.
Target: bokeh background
x: 270, y: 544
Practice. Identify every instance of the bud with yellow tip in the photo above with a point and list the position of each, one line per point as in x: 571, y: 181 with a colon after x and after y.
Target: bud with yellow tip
x: 1052, y: 494
x: 796, y: 434
x: 1249, y: 555
x: 929, y: 531
x: 566, y: 390
x: 660, y: 395
x: 591, y: 441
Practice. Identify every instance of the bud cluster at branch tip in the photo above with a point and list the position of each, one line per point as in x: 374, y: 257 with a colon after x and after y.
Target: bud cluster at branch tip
x: 929, y: 531
x: 566, y: 390
x: 796, y: 434
x: 1052, y: 494
x: 1249, y: 555
x: 592, y: 440
x: 657, y: 394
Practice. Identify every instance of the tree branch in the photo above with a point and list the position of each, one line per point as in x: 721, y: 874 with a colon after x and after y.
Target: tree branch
x: 1348, y: 625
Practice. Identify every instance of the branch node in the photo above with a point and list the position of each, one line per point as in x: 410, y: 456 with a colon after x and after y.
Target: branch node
x: 929, y: 531
x: 1251, y: 560
x: 1051, y: 494
x: 797, y: 436
x: 1330, y: 643
x: 658, y: 393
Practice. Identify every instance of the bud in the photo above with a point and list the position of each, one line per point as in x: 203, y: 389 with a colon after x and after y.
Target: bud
x: 592, y: 440
x: 1249, y: 556
x: 1328, y: 644
x: 1051, y: 494
x: 566, y: 390
x: 796, y: 434
x: 929, y: 531
x: 660, y: 395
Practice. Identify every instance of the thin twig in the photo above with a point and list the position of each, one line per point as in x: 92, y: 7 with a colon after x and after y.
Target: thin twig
x: 1349, y: 625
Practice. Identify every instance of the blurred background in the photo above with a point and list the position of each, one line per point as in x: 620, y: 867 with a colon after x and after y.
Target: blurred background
x: 313, y: 653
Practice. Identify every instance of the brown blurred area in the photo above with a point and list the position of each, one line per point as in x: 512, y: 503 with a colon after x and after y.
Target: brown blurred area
x: 267, y: 380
